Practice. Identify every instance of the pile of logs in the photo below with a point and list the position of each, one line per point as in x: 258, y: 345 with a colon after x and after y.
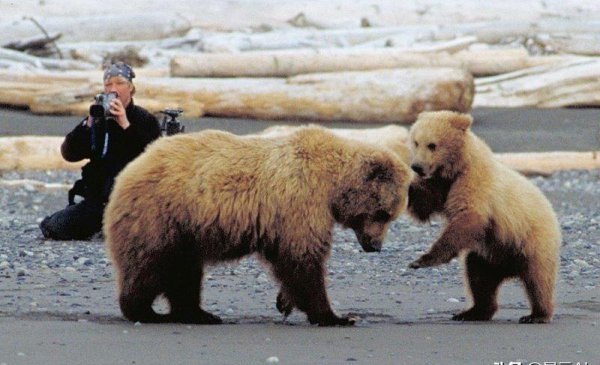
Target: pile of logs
x: 305, y: 67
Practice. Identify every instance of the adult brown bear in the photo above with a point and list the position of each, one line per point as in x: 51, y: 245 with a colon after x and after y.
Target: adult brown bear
x: 198, y: 199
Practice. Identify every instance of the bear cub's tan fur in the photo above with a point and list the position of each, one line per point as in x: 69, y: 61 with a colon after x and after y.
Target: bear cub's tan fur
x: 500, y: 219
x: 197, y: 199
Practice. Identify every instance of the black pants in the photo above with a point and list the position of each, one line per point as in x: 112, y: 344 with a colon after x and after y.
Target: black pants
x: 75, y: 222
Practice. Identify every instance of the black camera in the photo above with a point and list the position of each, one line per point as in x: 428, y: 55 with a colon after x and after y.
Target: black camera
x: 171, y: 126
x: 101, y: 106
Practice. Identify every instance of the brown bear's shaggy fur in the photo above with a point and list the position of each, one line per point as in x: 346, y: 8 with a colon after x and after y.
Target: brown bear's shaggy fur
x: 197, y: 199
x: 504, y: 223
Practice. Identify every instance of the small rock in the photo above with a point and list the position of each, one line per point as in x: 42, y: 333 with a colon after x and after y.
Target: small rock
x: 84, y: 261
x: 29, y: 187
x: 581, y: 263
x: 272, y: 360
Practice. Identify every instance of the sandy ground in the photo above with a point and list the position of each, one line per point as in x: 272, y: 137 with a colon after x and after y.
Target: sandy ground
x: 404, y: 314
x: 570, y: 340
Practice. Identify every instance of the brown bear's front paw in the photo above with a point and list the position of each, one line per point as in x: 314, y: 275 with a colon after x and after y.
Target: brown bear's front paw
x: 284, y: 305
x: 426, y: 260
x: 333, y: 320
x: 209, y: 318
x: 436, y: 258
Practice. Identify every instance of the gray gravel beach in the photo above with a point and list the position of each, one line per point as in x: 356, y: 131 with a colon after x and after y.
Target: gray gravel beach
x: 72, y: 282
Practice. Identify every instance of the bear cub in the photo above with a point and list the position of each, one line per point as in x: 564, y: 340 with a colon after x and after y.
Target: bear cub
x: 503, y: 222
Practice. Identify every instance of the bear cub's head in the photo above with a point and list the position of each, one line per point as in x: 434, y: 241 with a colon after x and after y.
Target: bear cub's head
x: 437, y: 140
x: 372, y: 198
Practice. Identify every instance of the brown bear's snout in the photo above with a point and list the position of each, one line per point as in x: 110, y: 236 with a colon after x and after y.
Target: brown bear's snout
x: 418, y: 169
x: 368, y: 243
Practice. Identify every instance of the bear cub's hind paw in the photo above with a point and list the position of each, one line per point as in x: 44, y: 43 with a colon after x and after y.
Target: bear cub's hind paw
x: 333, y: 320
x: 534, y: 319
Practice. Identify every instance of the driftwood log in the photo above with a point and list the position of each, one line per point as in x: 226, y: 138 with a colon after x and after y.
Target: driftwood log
x: 32, y: 43
x: 491, y: 32
x: 33, y: 153
x: 94, y: 27
x: 383, y: 96
x: 546, y: 163
x: 43, y: 62
x: 572, y: 83
x: 285, y: 63
x: 580, y: 44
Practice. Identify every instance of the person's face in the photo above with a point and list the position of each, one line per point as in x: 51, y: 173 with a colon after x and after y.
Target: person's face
x: 121, y: 86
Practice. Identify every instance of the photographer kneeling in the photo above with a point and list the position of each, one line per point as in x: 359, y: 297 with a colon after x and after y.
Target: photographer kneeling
x: 115, y: 133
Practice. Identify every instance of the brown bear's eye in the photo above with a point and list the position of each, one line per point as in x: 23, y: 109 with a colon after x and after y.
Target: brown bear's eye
x: 357, y: 222
x: 416, y: 144
x: 381, y: 216
x: 431, y: 146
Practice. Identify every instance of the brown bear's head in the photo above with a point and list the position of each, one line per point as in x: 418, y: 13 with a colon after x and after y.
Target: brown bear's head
x: 437, y: 140
x: 371, y: 198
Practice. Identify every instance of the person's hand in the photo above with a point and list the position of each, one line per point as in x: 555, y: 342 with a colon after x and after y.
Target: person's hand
x: 90, y: 121
x: 118, y: 111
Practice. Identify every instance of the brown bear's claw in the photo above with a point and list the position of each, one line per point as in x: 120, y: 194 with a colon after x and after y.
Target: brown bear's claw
x: 423, y: 261
x: 415, y: 265
x: 284, y: 305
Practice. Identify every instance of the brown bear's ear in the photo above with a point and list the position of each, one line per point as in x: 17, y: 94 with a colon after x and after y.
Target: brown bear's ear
x: 461, y: 121
x: 378, y: 170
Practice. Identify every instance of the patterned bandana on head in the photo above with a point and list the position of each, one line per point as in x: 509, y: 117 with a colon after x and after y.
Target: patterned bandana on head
x: 119, y: 69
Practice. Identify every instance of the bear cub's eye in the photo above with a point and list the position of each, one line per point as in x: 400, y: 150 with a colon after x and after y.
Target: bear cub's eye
x: 416, y: 144
x: 381, y: 216
x: 431, y: 146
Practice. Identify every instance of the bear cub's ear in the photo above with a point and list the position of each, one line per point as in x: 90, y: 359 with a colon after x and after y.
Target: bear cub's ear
x: 379, y: 170
x: 461, y: 121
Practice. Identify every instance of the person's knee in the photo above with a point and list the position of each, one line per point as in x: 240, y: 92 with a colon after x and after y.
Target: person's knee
x: 46, y: 228
x: 52, y: 229
x: 76, y: 222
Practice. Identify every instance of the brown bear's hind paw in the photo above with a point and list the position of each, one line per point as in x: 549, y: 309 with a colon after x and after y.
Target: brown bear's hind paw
x: 534, y: 319
x: 473, y: 315
x: 196, y: 317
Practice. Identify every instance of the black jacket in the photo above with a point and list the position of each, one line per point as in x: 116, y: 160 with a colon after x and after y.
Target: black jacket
x: 109, y: 148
